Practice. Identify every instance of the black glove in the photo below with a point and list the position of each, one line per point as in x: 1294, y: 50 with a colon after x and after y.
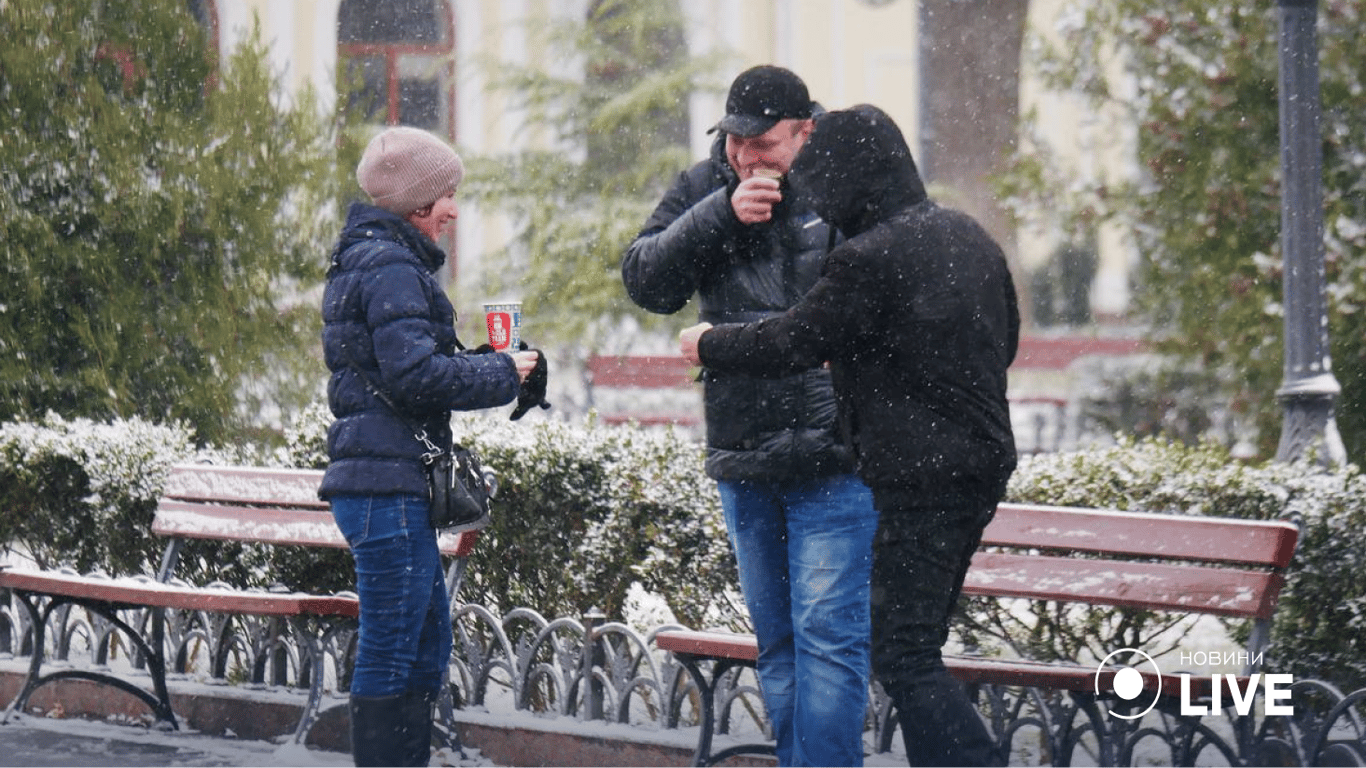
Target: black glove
x: 482, y: 349
x: 533, y: 389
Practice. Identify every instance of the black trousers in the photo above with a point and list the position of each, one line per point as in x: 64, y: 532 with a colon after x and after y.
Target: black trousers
x: 920, y: 557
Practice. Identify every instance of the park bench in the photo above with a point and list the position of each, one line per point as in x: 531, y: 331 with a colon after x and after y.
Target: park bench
x: 242, y: 504
x: 1174, y: 563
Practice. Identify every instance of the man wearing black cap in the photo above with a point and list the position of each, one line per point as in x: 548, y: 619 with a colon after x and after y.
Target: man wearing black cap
x: 801, y: 522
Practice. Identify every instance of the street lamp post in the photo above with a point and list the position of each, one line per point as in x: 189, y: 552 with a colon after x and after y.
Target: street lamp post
x: 1309, y: 389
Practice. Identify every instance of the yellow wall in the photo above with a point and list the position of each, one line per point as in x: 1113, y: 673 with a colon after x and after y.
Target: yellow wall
x: 1083, y: 142
x: 848, y: 51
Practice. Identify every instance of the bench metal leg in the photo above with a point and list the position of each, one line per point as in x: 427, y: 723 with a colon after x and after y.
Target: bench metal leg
x: 159, y: 701
x: 447, y: 733
x: 706, y: 690
x: 314, y: 648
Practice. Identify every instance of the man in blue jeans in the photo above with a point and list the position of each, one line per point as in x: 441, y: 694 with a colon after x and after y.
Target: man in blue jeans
x: 800, y: 521
x: 916, y: 316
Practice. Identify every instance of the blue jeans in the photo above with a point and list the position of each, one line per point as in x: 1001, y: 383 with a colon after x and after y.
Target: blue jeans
x: 805, y: 555
x: 404, y: 641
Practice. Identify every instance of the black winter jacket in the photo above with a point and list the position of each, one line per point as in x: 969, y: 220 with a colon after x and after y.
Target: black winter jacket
x: 916, y: 314
x: 384, y: 311
x: 757, y: 429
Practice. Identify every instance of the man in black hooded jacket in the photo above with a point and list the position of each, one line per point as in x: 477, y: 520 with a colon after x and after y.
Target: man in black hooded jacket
x: 801, y: 521
x: 916, y: 315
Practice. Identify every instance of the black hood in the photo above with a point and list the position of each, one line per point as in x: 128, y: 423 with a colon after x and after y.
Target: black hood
x: 856, y: 169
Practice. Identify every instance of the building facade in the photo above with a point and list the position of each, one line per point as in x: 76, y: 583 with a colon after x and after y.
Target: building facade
x: 953, y: 73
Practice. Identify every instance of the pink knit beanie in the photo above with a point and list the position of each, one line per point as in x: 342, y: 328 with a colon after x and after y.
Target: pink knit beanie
x: 404, y: 169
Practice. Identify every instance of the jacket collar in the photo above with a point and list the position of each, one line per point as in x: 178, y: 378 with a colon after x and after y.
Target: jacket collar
x: 368, y: 222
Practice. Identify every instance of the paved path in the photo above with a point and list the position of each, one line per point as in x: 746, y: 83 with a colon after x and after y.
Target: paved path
x: 37, y: 742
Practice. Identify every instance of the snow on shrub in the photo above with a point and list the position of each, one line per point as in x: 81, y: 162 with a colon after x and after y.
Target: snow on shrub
x: 82, y: 493
x: 624, y: 519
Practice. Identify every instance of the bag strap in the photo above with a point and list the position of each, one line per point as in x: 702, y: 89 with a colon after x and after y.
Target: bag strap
x: 434, y: 452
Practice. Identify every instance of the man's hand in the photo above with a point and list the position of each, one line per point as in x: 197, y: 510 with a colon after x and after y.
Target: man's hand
x: 687, y: 341
x: 526, y: 362
x: 754, y: 199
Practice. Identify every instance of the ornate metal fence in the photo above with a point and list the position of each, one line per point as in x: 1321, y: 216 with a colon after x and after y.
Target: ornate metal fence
x: 590, y: 668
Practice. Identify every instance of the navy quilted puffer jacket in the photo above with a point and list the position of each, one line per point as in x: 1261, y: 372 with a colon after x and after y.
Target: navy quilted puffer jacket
x: 384, y: 312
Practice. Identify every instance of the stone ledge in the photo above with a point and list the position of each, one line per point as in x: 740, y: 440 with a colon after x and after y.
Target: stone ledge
x: 270, y: 715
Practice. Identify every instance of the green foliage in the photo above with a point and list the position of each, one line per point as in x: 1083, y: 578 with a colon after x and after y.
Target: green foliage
x: 82, y: 493
x: 585, y: 512
x: 1319, y: 629
x: 1201, y: 86
x: 615, y: 138
x: 158, y: 218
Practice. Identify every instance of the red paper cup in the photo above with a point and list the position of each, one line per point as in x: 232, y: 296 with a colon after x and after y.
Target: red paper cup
x: 504, y: 322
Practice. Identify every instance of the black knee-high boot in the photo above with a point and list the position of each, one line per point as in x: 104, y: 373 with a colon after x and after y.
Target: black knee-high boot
x: 417, y: 719
x: 378, y: 730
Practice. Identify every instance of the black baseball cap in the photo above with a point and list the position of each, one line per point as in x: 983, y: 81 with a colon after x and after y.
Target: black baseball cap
x: 760, y: 97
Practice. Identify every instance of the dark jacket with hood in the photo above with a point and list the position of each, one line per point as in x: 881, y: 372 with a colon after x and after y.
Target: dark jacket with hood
x: 757, y: 429
x: 916, y: 314
x: 384, y: 313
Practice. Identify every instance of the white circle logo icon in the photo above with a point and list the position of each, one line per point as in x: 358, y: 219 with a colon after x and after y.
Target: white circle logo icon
x: 1127, y: 683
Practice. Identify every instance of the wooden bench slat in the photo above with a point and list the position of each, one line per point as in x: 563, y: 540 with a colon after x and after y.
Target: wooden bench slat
x: 137, y: 593
x: 245, y: 485
x: 1177, y: 563
x: 247, y: 504
x: 645, y: 371
x: 734, y: 646
x: 272, y: 526
x: 969, y: 669
x: 1162, y: 586
x: 1178, y: 537
x: 1060, y: 675
x: 259, y: 524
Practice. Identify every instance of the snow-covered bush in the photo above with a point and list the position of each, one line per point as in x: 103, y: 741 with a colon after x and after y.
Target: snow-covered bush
x: 1319, y: 628
x: 583, y: 512
x: 82, y: 493
x: 601, y: 516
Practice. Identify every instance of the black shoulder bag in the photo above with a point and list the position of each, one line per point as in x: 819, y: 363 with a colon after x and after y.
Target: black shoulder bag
x: 459, y: 488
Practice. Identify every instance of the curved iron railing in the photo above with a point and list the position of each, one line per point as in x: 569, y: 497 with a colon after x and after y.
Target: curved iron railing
x: 589, y: 668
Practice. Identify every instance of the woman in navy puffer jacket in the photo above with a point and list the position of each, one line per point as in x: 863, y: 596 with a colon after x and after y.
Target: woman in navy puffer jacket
x: 388, y: 324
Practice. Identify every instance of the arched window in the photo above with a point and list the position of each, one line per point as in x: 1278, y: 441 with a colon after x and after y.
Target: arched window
x: 395, y: 62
